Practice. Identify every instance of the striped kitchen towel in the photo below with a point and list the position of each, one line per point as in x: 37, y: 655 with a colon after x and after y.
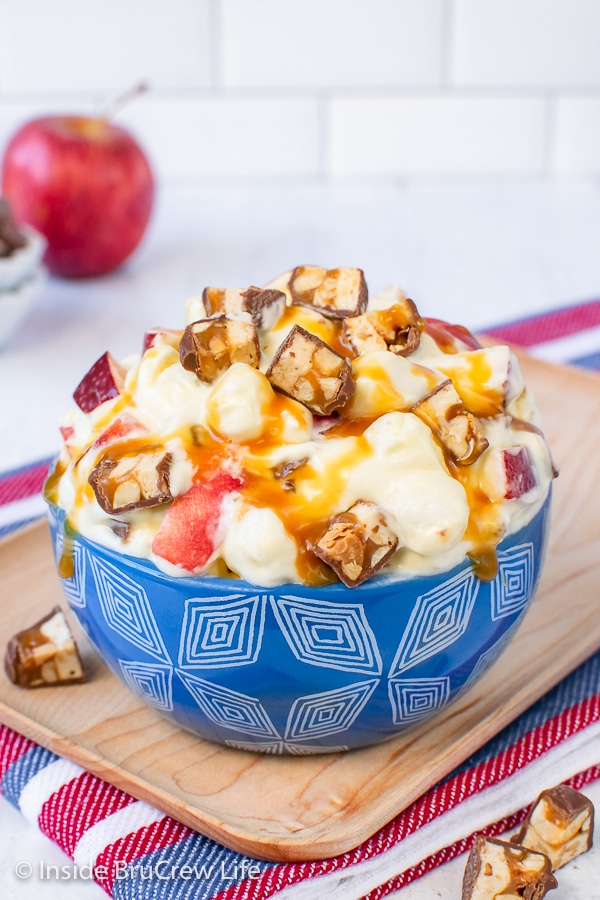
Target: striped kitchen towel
x: 135, y: 851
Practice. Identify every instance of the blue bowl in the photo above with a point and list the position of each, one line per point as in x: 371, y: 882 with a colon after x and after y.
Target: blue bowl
x: 294, y: 669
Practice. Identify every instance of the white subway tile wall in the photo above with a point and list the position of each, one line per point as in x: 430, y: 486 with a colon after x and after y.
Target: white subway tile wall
x: 359, y: 89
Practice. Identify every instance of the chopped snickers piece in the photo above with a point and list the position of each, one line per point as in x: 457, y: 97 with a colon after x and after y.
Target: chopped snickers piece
x: 44, y: 654
x: 337, y: 293
x: 560, y: 824
x: 357, y: 543
x: 210, y: 346
x: 11, y: 238
x: 397, y: 328
x: 497, y: 869
x: 132, y: 481
x: 458, y: 431
x: 308, y: 370
x: 283, y: 471
x: 265, y: 306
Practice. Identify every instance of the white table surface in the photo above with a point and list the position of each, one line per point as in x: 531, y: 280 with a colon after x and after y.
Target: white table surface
x: 476, y: 253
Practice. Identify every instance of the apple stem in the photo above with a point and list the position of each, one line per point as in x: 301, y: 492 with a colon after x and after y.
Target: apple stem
x: 122, y: 100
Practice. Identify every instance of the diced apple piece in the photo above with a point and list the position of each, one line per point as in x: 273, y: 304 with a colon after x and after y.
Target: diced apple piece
x: 156, y: 337
x: 508, y: 474
x: 104, y: 381
x: 450, y: 338
x: 124, y: 426
x: 186, y: 537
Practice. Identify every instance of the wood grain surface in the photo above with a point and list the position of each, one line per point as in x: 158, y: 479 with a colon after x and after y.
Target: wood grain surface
x: 297, y: 808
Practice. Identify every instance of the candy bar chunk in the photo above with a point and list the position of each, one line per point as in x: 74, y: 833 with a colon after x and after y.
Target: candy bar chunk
x: 11, y: 238
x: 357, y: 543
x: 102, y: 382
x: 337, y: 293
x: 210, y: 346
x: 264, y: 305
x: 443, y: 410
x: 308, y: 370
x: 44, y: 654
x: 397, y: 328
x: 497, y: 869
x: 285, y: 470
x: 560, y: 824
x: 132, y: 481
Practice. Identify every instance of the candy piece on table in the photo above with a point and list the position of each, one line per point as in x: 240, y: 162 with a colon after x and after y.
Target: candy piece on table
x: 102, y: 382
x: 264, y: 305
x: 337, y: 293
x: 284, y: 471
x: 209, y: 347
x: 44, y: 654
x: 560, y: 824
x: 357, y: 543
x: 397, y: 328
x: 443, y: 410
x: 308, y: 370
x: 498, y: 870
x: 132, y: 481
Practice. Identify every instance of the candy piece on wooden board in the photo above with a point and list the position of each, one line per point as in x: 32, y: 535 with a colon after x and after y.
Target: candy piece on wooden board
x: 443, y: 410
x: 186, y: 537
x: 560, y: 824
x: 264, y: 305
x: 44, y: 654
x: 209, y: 347
x: 357, y: 543
x: 498, y: 870
x: 308, y: 370
x: 336, y: 293
x: 102, y: 382
x: 132, y: 481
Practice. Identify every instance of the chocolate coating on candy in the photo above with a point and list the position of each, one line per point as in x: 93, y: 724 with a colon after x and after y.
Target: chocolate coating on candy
x: 456, y: 429
x: 132, y: 481
x: 560, y: 824
x: 337, y: 293
x: 264, y: 305
x: 308, y: 370
x: 44, y: 654
x: 496, y: 869
x: 209, y: 347
x: 11, y: 238
x: 357, y: 543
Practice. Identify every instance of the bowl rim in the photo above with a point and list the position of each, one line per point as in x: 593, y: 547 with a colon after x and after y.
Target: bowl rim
x: 217, y: 582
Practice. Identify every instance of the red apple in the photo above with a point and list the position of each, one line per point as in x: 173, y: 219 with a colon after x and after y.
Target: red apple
x: 86, y: 184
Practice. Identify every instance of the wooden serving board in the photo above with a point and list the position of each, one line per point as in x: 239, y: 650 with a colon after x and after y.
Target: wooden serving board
x: 298, y: 808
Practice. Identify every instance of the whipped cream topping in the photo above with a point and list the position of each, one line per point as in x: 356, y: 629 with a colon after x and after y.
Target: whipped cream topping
x: 260, y: 475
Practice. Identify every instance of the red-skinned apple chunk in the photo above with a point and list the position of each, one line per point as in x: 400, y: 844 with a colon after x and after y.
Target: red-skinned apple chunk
x: 186, y: 537
x: 102, y: 382
x: 508, y: 474
x: 86, y: 185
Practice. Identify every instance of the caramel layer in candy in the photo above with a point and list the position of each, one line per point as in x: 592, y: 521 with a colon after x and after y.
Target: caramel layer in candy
x: 506, y: 871
x: 560, y: 824
x: 44, y: 654
x: 209, y: 347
x: 443, y: 410
x: 337, y: 293
x: 264, y: 304
x: 357, y: 543
x: 308, y: 370
x: 132, y: 481
x: 397, y: 328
